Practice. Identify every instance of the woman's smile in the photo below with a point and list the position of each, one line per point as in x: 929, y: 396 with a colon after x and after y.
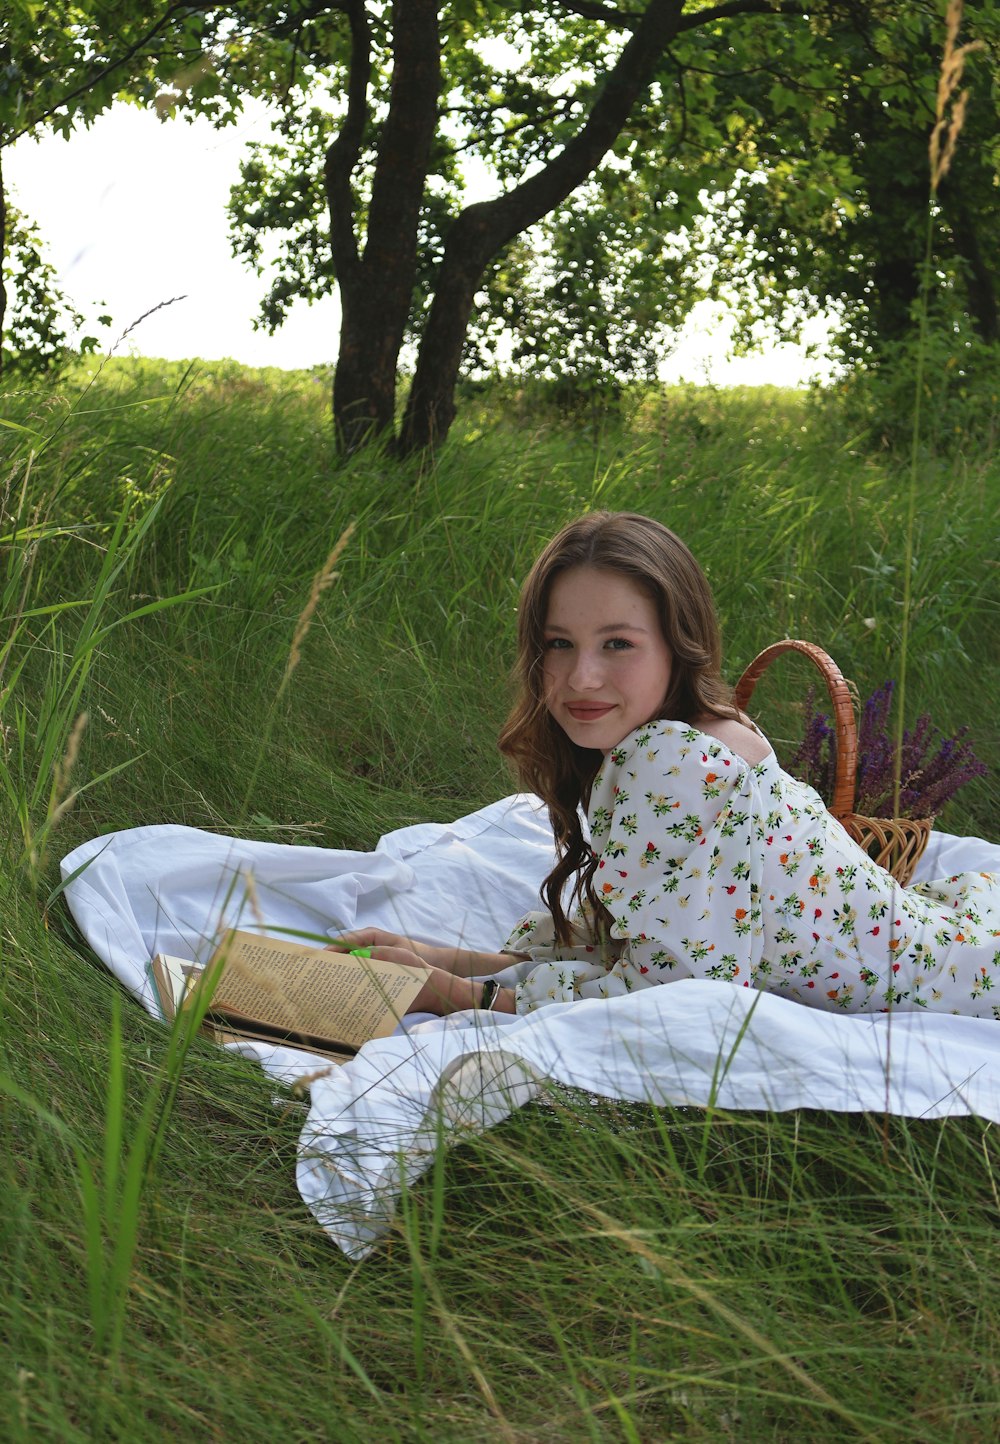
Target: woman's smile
x: 589, y: 711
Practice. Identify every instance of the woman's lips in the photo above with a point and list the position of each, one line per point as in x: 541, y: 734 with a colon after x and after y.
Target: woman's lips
x: 589, y: 711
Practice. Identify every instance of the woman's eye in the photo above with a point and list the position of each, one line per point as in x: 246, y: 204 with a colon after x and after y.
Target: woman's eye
x: 554, y: 644
x: 619, y: 644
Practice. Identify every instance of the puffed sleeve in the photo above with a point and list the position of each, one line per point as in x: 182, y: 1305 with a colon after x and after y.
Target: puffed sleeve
x: 534, y: 936
x: 564, y: 972
x: 675, y: 819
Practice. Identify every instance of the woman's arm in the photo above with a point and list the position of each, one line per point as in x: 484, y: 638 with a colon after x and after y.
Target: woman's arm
x: 447, y: 990
x: 460, y: 962
x: 675, y: 820
x: 447, y: 993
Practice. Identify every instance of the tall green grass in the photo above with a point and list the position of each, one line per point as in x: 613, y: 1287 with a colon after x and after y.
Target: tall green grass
x: 582, y: 1272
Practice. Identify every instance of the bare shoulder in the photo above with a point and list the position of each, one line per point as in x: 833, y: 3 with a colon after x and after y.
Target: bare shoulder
x: 737, y: 736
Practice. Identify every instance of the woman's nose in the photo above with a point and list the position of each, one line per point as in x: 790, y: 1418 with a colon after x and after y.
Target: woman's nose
x: 586, y: 673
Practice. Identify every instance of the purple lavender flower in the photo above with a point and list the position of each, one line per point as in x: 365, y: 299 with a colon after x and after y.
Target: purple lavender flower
x: 875, y: 751
x: 930, y: 771
x: 814, y: 761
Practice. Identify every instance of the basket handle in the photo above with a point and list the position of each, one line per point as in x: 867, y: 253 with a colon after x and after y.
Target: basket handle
x: 846, y: 761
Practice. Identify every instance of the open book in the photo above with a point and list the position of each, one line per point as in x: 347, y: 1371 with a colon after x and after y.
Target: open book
x: 274, y: 991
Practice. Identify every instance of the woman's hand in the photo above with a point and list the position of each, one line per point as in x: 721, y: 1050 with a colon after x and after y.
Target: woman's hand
x: 462, y: 962
x: 390, y: 947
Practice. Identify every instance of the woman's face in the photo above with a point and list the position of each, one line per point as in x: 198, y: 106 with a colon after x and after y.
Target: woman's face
x: 607, y: 665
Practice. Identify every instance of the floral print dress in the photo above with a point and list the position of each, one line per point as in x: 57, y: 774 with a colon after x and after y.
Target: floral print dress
x: 715, y: 868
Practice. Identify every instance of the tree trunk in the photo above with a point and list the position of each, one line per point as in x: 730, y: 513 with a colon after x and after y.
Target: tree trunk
x: 376, y: 289
x: 364, y: 384
x: 485, y: 228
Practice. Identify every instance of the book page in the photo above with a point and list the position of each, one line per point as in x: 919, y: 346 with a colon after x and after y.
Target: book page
x: 293, y: 988
x: 173, y: 979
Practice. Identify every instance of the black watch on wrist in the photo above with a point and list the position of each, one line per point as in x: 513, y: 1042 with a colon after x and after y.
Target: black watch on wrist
x: 490, y: 993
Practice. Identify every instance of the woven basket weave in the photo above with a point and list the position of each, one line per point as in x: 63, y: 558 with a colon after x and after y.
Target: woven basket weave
x: 895, y: 843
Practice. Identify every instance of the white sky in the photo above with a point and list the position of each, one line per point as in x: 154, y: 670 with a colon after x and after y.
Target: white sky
x: 133, y: 213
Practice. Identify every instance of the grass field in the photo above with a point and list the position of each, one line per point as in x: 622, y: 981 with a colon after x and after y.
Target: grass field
x: 582, y: 1272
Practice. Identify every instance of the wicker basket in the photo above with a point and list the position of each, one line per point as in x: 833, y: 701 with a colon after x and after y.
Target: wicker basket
x: 895, y: 843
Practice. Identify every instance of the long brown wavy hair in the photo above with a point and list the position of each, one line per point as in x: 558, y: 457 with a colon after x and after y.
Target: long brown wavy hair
x: 547, y: 762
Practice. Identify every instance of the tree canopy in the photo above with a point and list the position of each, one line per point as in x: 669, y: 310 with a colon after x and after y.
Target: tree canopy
x: 637, y: 155
x: 62, y: 63
x: 862, y: 243
x: 641, y: 155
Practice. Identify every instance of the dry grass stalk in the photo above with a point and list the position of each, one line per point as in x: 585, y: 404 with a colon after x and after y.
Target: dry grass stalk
x: 948, y: 127
x: 252, y: 896
x: 62, y: 799
x: 160, y: 305
x: 323, y: 579
x: 301, y: 1085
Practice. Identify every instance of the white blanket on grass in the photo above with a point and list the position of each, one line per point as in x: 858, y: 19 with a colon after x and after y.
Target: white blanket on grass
x: 379, y: 1118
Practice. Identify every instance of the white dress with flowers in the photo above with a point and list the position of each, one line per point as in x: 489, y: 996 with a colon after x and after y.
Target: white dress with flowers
x: 712, y: 867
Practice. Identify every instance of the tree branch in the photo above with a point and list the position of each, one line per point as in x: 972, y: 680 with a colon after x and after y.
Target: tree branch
x: 558, y: 111
x: 98, y: 75
x: 482, y: 229
x: 407, y: 135
x: 629, y: 19
x: 507, y: 215
x: 791, y: 81
x: 733, y: 8
x: 342, y: 154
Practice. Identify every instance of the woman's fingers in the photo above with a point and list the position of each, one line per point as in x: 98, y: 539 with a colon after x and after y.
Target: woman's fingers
x: 394, y: 952
x: 448, y: 958
x: 406, y: 956
x: 379, y: 938
x: 369, y: 938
